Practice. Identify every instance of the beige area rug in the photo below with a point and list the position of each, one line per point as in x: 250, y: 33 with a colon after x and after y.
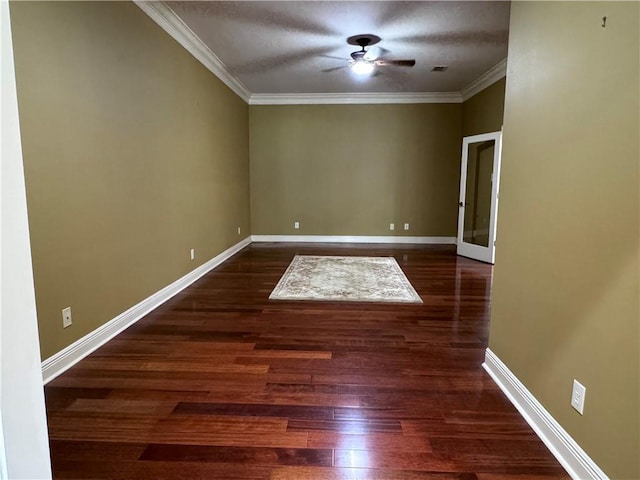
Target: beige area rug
x: 348, y: 279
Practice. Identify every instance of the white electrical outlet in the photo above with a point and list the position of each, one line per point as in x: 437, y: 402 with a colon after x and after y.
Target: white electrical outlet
x: 392, y: 226
x: 577, y: 396
x: 193, y: 253
x: 238, y: 230
x: 406, y: 226
x: 66, y: 317
x: 296, y: 225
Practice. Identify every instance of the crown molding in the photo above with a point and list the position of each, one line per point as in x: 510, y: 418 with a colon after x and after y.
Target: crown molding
x: 167, y: 19
x: 488, y: 78
x: 352, y: 98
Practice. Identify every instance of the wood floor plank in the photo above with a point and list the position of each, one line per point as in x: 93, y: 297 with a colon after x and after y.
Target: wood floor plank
x: 153, y: 407
x: 372, y: 441
x: 339, y: 473
x: 87, y: 451
x: 151, y: 470
x: 59, y: 398
x: 254, y: 410
x: 360, y: 426
x: 519, y: 476
x: 242, y: 455
x: 395, y: 459
x: 222, y: 383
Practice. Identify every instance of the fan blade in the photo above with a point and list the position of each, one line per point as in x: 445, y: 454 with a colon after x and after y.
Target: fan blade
x: 457, y: 38
x: 333, y: 57
x: 281, y: 60
x: 333, y: 69
x: 397, y: 63
x: 279, y: 18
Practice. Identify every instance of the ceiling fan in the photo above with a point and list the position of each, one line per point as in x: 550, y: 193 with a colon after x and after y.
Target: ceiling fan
x: 365, y: 60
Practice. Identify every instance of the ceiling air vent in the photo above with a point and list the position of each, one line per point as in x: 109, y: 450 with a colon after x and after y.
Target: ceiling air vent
x: 439, y: 68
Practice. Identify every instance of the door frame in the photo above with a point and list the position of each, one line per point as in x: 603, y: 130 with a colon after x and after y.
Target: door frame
x: 478, y: 252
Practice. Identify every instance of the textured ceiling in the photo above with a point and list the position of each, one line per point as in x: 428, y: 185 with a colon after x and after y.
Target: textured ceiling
x: 283, y: 47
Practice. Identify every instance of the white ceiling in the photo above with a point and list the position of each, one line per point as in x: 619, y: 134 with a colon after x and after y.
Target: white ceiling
x: 281, y: 47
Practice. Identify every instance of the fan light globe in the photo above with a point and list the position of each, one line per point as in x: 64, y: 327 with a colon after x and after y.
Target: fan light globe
x: 362, y: 67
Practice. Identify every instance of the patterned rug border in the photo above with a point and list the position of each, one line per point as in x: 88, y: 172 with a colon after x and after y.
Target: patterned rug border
x: 277, y: 294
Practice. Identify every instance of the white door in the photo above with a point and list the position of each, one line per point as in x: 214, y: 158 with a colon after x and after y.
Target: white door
x: 478, y: 206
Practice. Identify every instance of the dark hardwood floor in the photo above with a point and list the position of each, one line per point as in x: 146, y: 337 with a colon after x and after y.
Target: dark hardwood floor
x: 221, y: 383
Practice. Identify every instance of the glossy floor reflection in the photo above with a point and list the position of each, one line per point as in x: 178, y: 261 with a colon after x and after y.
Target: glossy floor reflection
x: 221, y: 383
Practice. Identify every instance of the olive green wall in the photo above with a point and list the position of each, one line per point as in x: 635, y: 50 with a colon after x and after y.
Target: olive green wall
x: 354, y: 169
x: 566, y: 279
x: 134, y: 153
x: 483, y: 112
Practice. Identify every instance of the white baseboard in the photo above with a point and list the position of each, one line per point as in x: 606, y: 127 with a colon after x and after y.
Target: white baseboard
x: 570, y: 455
x: 66, y: 358
x: 353, y: 239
